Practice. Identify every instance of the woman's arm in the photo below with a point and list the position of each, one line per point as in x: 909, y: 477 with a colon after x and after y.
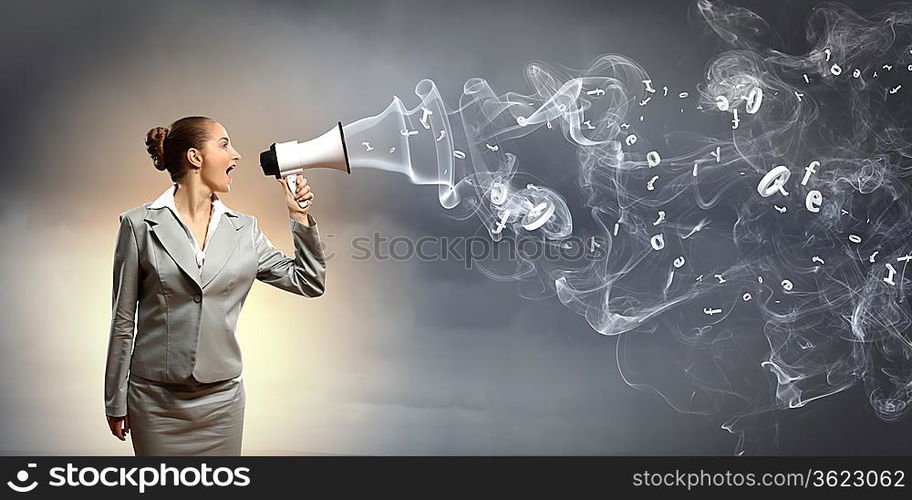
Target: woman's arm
x: 125, y: 295
x: 305, y: 274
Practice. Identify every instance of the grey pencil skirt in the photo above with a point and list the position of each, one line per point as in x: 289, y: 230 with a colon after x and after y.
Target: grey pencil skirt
x: 191, y: 418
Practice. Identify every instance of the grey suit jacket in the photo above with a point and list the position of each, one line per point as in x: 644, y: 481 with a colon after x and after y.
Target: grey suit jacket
x: 184, y: 317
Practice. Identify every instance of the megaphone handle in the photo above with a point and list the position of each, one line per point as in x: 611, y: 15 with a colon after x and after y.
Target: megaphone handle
x: 291, y: 181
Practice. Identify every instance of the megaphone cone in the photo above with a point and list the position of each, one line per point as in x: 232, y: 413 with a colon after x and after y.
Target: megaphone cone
x: 327, y: 151
x: 287, y: 159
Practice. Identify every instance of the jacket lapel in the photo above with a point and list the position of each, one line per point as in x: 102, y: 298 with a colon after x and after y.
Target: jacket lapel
x: 173, y: 239
x: 221, y: 247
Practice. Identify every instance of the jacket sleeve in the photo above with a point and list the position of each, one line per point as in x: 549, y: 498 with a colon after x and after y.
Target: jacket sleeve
x: 124, y: 297
x: 305, y: 274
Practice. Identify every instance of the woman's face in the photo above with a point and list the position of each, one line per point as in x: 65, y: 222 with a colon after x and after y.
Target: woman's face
x: 220, y: 160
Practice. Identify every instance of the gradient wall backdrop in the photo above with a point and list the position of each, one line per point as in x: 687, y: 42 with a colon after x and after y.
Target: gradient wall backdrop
x: 397, y: 357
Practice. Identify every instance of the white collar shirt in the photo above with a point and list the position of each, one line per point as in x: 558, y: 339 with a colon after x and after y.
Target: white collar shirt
x: 166, y: 199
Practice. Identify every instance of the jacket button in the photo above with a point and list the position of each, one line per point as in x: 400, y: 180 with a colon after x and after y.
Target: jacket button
x: 197, y: 298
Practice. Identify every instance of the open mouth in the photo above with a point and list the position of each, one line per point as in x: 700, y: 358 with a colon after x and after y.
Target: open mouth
x: 230, y: 168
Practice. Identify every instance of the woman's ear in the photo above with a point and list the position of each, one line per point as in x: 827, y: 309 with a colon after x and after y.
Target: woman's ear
x: 195, y: 157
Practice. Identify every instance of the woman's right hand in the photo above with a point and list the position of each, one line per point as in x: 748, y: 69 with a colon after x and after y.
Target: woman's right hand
x: 120, y: 426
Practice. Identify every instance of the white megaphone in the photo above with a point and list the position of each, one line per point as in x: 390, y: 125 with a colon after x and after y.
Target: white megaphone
x: 287, y: 159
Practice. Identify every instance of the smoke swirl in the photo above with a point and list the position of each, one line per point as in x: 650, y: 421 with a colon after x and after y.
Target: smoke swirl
x: 753, y: 261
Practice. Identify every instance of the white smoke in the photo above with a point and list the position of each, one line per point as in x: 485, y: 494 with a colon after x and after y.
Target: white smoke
x: 740, y: 289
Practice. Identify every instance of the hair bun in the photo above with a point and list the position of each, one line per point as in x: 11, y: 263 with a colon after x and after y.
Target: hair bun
x: 155, y: 145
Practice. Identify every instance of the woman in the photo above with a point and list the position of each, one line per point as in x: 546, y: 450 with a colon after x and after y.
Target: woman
x: 183, y: 266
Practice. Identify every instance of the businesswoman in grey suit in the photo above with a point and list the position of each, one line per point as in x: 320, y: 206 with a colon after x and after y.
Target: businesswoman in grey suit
x: 183, y: 265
